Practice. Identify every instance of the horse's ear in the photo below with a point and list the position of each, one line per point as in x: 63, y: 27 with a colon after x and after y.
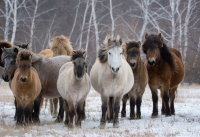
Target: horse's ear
x: 84, y: 54
x: 139, y: 44
x: 159, y: 35
x: 30, y: 57
x: 146, y: 36
x: 15, y: 50
x: 3, y: 49
x: 119, y: 39
x: 108, y: 38
x: 26, y: 46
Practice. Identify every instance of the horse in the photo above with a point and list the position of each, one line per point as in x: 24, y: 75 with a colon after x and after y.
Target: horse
x: 112, y: 77
x: 132, y: 50
x: 48, y: 70
x: 75, y: 88
x: 165, y: 70
x: 4, y: 44
x: 60, y: 45
x: 25, y: 86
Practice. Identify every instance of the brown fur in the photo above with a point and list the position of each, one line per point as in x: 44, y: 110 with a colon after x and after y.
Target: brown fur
x: 165, y: 73
x: 60, y: 45
x: 4, y: 44
x: 47, y: 53
x: 25, y: 91
x: 132, y: 50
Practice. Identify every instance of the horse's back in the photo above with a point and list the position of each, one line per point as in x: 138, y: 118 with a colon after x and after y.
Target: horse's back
x: 47, y: 53
x: 179, y: 70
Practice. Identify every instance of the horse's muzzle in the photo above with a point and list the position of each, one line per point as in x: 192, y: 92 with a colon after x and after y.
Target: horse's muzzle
x: 23, y: 80
x: 115, y: 70
x: 151, y: 63
x: 5, y: 78
x: 132, y: 65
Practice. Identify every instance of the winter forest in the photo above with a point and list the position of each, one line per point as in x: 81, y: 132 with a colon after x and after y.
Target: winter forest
x: 87, y: 22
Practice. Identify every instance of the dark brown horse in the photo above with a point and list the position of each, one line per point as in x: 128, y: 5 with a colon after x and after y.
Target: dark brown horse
x: 4, y: 44
x: 25, y: 86
x: 132, y: 51
x: 165, y: 69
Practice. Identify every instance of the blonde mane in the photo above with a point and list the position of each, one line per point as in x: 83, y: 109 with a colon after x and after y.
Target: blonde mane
x: 60, y: 42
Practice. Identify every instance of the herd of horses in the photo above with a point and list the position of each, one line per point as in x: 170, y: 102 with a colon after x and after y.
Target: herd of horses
x: 60, y: 73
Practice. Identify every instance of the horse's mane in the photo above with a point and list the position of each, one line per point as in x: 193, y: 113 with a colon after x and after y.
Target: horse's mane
x: 59, y: 41
x: 164, y: 50
x: 24, y: 55
x: 131, y: 44
x: 4, y: 44
x: 79, y: 53
x: 105, y: 46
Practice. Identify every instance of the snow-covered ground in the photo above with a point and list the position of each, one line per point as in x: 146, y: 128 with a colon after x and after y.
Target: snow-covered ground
x: 186, y: 122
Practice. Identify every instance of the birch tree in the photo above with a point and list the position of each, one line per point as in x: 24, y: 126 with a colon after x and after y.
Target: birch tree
x: 95, y: 25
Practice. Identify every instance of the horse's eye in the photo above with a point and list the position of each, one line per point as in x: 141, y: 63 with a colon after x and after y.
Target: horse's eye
x: 109, y: 53
x: 121, y: 53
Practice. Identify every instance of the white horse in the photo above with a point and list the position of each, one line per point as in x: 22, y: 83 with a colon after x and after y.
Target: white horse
x: 112, y: 77
x: 74, y: 85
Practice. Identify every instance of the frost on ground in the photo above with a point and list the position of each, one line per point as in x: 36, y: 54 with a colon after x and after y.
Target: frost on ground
x: 186, y: 122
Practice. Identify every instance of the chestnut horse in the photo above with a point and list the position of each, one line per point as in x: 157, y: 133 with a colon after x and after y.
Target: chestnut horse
x: 25, y: 86
x: 74, y: 85
x: 165, y: 69
x: 132, y: 51
x: 112, y: 77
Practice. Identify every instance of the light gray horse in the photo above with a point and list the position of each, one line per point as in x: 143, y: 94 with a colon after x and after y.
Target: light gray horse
x: 112, y: 77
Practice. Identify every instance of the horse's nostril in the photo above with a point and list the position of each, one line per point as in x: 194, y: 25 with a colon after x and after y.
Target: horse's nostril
x: 5, y: 78
x: 151, y: 63
x: 132, y: 64
x: 117, y: 69
x: 23, y: 79
x: 113, y: 69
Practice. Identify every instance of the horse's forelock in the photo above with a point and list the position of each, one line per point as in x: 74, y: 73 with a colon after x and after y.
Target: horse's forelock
x: 131, y: 44
x: 24, y: 55
x: 80, y: 53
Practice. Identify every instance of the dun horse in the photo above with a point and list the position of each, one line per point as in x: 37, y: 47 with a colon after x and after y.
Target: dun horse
x: 48, y: 70
x: 165, y: 69
x: 25, y: 86
x: 60, y: 45
x: 112, y: 77
x: 132, y: 50
x: 74, y: 85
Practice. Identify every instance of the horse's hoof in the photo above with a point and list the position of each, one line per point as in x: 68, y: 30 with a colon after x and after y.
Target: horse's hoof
x: 116, y: 124
x: 154, y: 115
x: 102, y: 125
x: 110, y: 120
x: 123, y: 114
x: 66, y: 123
x: 163, y: 113
x: 131, y: 118
x: 70, y: 126
x: 168, y: 115
x: 138, y: 117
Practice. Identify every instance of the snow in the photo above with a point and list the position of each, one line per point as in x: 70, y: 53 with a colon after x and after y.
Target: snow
x: 186, y: 122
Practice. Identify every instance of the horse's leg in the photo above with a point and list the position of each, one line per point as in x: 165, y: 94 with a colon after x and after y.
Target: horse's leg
x: 19, y: 112
x: 138, y: 104
x: 166, y: 100
x: 15, y: 102
x: 163, y: 109
x: 36, y: 108
x: 80, y: 109
x: 28, y: 114
x: 110, y: 110
x: 66, y: 108
x: 124, y: 100
x: 71, y: 114
x: 61, y: 111
x: 83, y: 112
x: 116, y: 111
x: 172, y: 97
x: 132, y: 105
x: 104, y: 108
x: 55, y: 107
x: 154, y: 93
x: 51, y: 106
